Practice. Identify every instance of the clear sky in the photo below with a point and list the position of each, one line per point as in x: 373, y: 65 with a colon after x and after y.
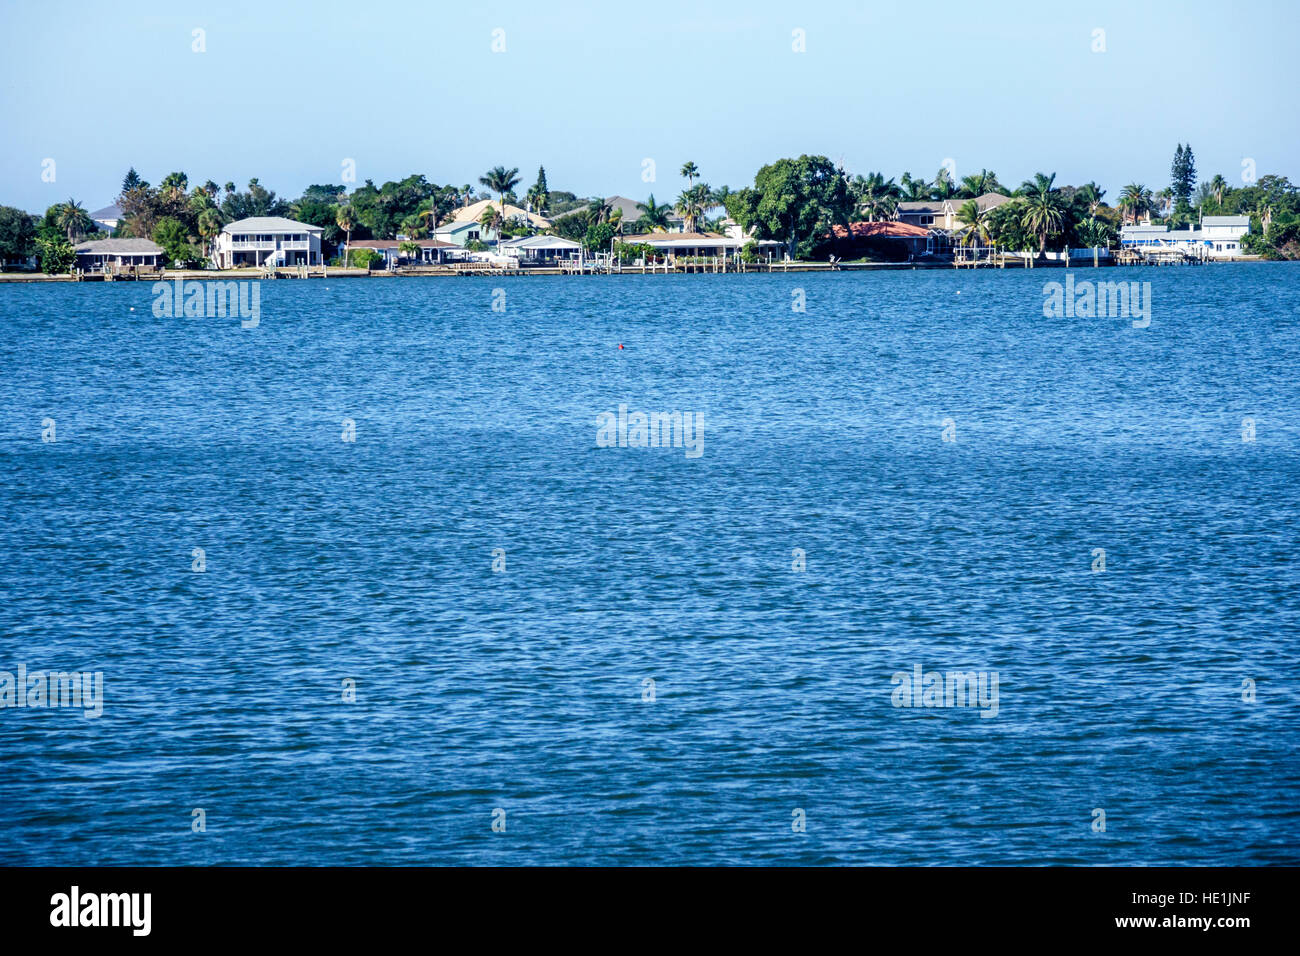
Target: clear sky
x: 288, y: 91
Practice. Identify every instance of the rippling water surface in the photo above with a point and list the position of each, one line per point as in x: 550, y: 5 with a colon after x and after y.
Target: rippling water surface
x: 524, y: 690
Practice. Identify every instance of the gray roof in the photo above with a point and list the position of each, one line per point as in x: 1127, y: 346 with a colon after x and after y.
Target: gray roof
x: 1225, y: 221
x: 108, y: 212
x: 120, y: 247
x: 924, y: 205
x: 629, y: 207
x: 986, y: 201
x: 541, y: 242
x: 269, y: 224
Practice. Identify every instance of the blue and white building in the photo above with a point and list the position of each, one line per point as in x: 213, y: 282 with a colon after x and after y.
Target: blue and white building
x: 1214, y: 237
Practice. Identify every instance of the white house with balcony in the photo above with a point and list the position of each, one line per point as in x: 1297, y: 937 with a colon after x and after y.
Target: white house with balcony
x: 268, y: 240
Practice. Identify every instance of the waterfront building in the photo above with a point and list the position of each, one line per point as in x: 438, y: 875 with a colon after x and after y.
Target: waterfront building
x: 268, y: 240
x: 113, y: 255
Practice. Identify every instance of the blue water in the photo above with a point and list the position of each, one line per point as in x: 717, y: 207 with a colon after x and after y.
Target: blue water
x: 523, y: 690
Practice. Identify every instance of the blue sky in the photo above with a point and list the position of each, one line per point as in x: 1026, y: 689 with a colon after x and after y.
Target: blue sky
x: 286, y: 92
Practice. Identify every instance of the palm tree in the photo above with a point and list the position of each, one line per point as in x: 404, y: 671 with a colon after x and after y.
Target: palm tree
x: 916, y: 190
x: 174, y: 183
x: 1218, y: 187
x: 692, y: 203
x: 689, y: 172
x: 943, y: 187
x: 654, y: 215
x: 1091, y: 195
x: 598, y: 210
x: 1044, y: 208
x: 875, y: 195
x: 1134, y: 200
x: 1166, y: 197
x: 1264, y: 209
x: 210, y: 223
x: 74, y: 219
x: 346, y: 219
x: 501, y: 181
x: 975, y: 222
x: 431, y: 217
x: 978, y: 184
x: 493, y: 220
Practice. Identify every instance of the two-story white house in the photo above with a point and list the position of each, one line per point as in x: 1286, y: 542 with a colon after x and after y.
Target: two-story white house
x: 264, y: 240
x: 1222, y: 234
x: 1214, y: 237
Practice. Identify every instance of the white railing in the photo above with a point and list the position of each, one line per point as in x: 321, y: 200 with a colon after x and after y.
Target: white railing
x: 260, y: 245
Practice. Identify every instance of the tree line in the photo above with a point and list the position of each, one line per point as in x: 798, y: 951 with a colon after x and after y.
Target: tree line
x: 794, y: 201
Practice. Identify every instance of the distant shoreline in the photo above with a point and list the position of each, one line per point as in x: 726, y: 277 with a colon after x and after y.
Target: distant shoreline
x: 776, y: 268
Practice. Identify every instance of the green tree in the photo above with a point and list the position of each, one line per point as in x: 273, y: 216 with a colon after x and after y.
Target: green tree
x: 1090, y: 194
x: 17, y: 234
x: 501, y: 181
x: 598, y: 237
x: 539, y: 196
x: 1135, y: 200
x: 976, y: 185
x: 692, y: 204
x: 74, y: 220
x: 975, y: 223
x: 1006, y: 227
x: 1183, y: 175
x: 653, y: 215
x: 874, y: 196
x: 345, y: 218
x: 493, y: 220
x: 689, y: 172
x: 1218, y: 187
x: 1044, y: 209
x: 175, y: 182
x: 132, y: 180
x: 210, y: 223
x: 56, y: 253
x: 914, y: 189
x: 174, y: 238
x: 793, y: 200
x: 944, y: 187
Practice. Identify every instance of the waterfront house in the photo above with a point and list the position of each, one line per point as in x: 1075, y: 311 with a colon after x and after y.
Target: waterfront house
x: 458, y: 233
x: 431, y: 250
x: 1214, y: 237
x: 629, y: 212
x: 108, y: 217
x: 1222, y: 234
x: 17, y: 263
x: 264, y: 240
x: 942, y: 213
x: 894, y: 241
x: 673, y: 244
x: 474, y: 213
x: 540, y: 249
x: 114, y: 255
